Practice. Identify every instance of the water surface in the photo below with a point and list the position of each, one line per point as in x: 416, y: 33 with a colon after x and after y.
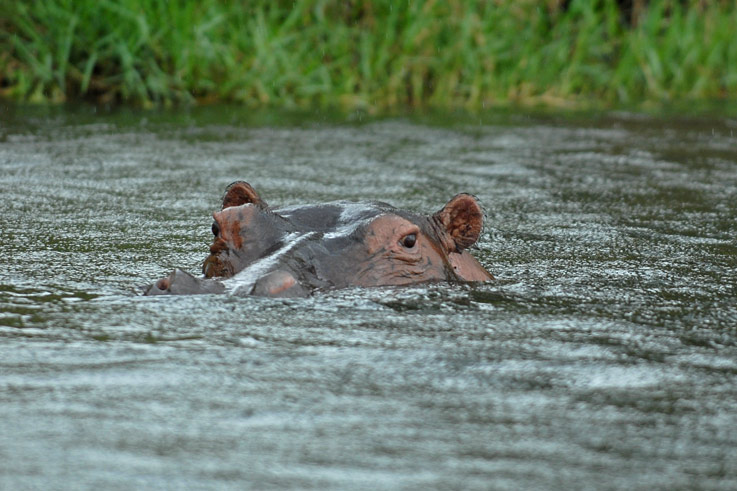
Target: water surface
x: 603, y: 356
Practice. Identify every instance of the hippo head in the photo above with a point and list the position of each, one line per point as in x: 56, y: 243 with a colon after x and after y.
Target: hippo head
x: 293, y: 251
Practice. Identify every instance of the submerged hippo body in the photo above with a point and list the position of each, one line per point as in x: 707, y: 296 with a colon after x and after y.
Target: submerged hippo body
x: 292, y: 251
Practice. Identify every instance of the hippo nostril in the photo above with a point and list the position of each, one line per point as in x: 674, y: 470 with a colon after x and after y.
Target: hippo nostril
x: 215, y: 229
x: 163, y: 284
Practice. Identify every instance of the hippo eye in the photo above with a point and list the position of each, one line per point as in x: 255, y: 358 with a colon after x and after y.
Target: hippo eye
x: 409, y: 241
x: 215, y: 229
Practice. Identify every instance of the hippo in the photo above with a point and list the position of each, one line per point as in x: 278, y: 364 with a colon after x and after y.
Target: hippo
x: 296, y: 250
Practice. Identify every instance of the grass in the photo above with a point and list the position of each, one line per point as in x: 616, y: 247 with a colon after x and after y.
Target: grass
x: 374, y: 55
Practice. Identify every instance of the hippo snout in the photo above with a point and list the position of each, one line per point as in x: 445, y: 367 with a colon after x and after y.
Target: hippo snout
x: 182, y: 283
x: 213, y: 267
x: 278, y: 284
x: 161, y: 287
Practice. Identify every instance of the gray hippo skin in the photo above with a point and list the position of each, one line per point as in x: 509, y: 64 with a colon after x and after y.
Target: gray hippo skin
x: 293, y: 251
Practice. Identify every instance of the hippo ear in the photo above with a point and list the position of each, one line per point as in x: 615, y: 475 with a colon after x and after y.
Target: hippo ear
x: 462, y: 219
x: 240, y: 193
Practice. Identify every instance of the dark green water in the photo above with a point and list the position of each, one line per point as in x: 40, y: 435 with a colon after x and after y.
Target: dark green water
x: 604, y: 356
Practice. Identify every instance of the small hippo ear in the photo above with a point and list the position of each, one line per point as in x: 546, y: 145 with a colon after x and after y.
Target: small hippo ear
x: 462, y: 219
x: 240, y: 193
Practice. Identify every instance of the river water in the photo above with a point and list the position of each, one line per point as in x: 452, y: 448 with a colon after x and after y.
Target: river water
x: 603, y: 356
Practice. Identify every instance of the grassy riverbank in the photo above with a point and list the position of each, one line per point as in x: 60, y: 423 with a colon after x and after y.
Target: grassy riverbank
x: 375, y: 55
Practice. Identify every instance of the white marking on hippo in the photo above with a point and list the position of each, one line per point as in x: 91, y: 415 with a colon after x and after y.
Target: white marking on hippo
x: 352, y: 217
x: 246, y: 279
x: 349, y: 228
x: 288, y: 210
x: 352, y: 212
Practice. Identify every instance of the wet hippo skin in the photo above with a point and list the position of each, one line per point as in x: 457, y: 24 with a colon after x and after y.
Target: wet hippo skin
x: 296, y: 250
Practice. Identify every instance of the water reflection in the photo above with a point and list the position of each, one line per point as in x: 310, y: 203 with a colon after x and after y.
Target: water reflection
x: 604, y: 351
